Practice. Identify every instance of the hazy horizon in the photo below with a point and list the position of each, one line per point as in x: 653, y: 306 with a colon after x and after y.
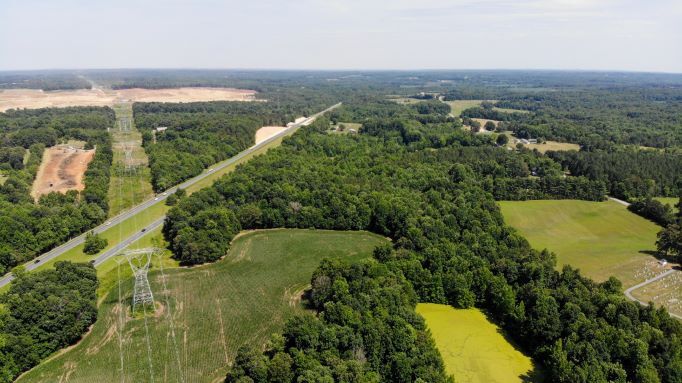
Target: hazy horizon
x: 569, y: 35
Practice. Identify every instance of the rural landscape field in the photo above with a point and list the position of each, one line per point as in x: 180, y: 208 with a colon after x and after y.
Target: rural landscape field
x: 263, y: 192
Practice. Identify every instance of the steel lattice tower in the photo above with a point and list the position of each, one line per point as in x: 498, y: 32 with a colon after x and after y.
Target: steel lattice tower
x: 139, y: 261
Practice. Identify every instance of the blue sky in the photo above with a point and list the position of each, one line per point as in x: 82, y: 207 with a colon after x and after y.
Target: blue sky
x: 342, y: 34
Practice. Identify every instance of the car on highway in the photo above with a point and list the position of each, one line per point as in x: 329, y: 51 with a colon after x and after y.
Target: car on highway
x: 156, y: 198
x: 165, y: 193
x: 143, y: 230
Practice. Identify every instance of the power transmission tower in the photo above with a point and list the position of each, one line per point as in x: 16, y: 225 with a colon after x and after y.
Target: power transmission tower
x: 139, y: 261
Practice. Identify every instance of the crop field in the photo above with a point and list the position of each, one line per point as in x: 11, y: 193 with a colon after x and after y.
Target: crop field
x: 473, y: 348
x: 203, y: 314
x: 130, y: 177
x: 33, y: 98
x: 600, y: 238
x: 61, y: 169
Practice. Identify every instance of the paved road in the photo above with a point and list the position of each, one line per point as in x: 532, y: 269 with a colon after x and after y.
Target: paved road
x: 61, y: 249
x: 628, y: 292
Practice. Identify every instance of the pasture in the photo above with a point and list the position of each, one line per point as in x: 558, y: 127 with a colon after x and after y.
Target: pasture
x: 61, y: 169
x: 473, y: 349
x: 203, y: 314
x: 35, y: 98
x: 600, y: 238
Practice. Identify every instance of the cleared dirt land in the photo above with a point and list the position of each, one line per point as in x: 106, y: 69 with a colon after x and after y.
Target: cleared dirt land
x: 266, y: 132
x: 32, y: 98
x: 204, y: 313
x: 600, y: 238
x: 472, y: 348
x: 61, y: 170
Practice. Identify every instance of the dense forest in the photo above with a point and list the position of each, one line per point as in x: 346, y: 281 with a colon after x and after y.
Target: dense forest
x: 450, y: 243
x: 43, y: 312
x: 28, y: 228
x: 669, y: 241
x: 201, y: 134
x: 628, y: 173
x: 48, y: 80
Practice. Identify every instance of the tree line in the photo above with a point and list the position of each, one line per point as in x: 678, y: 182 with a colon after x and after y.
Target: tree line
x: 629, y: 173
x: 449, y: 241
x: 43, y: 312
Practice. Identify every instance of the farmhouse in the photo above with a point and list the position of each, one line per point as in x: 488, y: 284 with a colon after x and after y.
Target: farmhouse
x: 161, y: 128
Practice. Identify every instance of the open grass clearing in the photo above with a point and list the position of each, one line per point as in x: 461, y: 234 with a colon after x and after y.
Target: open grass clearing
x: 215, y: 308
x: 474, y: 349
x: 130, y: 181
x: 602, y: 239
x: 457, y: 106
x: 509, y: 110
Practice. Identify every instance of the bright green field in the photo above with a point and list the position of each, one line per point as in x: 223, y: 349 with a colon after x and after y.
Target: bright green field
x: 206, y: 313
x: 472, y: 348
x: 600, y: 238
x: 457, y: 106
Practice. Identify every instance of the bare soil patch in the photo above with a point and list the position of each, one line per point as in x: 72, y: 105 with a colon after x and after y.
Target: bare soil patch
x: 266, y: 132
x: 185, y: 94
x: 61, y: 170
x: 35, y: 98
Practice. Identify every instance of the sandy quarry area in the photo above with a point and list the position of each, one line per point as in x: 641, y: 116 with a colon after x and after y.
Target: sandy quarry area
x: 33, y: 98
x: 61, y: 170
x: 266, y: 132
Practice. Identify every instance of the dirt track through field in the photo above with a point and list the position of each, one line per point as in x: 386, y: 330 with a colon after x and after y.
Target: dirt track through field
x: 33, y: 98
x: 61, y: 170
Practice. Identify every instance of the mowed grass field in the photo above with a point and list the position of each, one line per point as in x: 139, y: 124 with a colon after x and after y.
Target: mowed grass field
x: 600, y: 238
x: 457, y: 106
x: 126, y: 189
x: 473, y: 349
x: 204, y: 314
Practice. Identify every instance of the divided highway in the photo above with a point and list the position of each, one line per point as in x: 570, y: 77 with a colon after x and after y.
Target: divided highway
x: 128, y: 214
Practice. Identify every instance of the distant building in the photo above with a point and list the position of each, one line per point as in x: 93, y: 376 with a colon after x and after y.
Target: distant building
x: 352, y: 131
x: 532, y: 140
x: 161, y: 128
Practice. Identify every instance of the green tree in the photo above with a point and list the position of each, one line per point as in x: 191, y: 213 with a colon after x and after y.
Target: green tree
x: 502, y: 140
x: 94, y: 243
